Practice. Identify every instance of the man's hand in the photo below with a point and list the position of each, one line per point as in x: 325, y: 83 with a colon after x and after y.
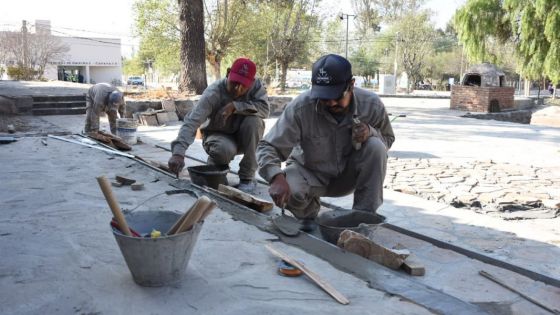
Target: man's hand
x: 225, y: 113
x: 360, y: 132
x: 176, y: 163
x: 279, y: 190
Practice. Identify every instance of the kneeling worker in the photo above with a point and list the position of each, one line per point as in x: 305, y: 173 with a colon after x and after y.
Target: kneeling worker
x: 103, y: 97
x: 335, y: 138
x: 230, y: 114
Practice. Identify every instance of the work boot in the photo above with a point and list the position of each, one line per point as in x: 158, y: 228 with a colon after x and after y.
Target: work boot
x: 308, y: 225
x: 247, y: 186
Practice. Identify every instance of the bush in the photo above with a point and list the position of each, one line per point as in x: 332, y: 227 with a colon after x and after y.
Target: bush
x: 21, y: 73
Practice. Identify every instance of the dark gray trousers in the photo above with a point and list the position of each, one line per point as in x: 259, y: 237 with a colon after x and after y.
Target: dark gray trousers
x: 364, y: 175
x: 222, y: 147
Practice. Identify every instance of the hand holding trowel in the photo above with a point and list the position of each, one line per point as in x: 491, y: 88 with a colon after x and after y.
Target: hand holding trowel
x: 280, y: 192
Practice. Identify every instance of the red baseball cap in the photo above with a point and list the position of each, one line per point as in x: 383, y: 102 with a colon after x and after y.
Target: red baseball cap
x: 243, y: 71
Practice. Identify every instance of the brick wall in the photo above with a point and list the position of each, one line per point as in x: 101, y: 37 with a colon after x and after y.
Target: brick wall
x: 477, y: 99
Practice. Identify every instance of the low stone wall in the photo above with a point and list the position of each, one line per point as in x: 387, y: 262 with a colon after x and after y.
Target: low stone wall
x: 184, y: 106
x: 516, y: 116
x: 7, y: 106
x: 479, y: 99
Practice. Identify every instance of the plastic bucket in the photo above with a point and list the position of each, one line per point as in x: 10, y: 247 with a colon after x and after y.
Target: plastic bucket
x: 155, y: 262
x: 209, y: 175
x: 332, y: 223
x: 126, y: 130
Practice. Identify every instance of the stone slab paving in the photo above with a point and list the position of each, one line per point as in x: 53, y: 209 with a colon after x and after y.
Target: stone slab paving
x: 59, y: 257
x: 435, y: 219
x: 502, y: 189
x: 441, y: 149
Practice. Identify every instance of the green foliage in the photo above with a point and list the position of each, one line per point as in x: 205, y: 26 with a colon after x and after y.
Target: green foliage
x: 364, y: 63
x: 22, y: 73
x: 416, y: 37
x: 157, y: 26
x: 133, y: 66
x: 532, y: 25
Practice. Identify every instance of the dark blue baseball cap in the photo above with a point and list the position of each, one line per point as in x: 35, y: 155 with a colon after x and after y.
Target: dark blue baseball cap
x: 330, y: 76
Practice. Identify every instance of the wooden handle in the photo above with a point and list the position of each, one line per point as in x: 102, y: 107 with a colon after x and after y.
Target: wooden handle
x: 312, y: 275
x: 195, y: 214
x: 113, y: 204
x: 207, y: 211
x: 177, y: 224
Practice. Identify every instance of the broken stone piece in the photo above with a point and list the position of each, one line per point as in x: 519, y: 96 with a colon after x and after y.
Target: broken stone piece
x: 116, y: 184
x: 137, y: 186
x: 124, y: 180
x: 360, y: 245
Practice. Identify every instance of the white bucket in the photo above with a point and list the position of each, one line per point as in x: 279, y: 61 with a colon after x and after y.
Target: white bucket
x: 126, y: 130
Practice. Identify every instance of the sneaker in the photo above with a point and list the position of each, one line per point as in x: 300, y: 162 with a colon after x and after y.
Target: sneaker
x: 247, y: 186
x: 307, y: 225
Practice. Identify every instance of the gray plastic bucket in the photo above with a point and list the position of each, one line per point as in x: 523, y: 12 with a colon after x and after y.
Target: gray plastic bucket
x: 126, y: 130
x: 155, y: 262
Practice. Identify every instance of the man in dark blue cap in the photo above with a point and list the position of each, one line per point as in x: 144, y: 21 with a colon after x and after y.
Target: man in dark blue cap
x: 334, y: 138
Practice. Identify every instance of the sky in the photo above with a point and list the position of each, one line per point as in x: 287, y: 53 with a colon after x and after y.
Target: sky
x: 114, y: 18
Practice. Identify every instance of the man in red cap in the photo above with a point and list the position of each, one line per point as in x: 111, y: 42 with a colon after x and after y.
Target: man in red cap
x: 230, y: 114
x: 335, y: 139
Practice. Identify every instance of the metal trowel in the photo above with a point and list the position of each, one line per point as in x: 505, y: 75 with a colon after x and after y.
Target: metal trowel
x: 289, y: 226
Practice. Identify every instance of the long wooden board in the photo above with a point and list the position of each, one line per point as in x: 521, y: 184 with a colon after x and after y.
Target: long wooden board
x: 312, y: 275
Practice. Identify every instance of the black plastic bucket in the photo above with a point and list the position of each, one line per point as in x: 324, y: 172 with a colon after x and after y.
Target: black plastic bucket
x: 209, y: 175
x: 332, y: 223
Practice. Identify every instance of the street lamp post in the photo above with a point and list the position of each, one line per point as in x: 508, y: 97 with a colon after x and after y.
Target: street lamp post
x: 347, y: 17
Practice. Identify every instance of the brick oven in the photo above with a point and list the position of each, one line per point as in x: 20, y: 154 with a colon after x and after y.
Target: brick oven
x: 482, y: 90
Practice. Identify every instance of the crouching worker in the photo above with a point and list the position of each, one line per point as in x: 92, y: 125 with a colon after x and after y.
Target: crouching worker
x: 103, y: 97
x: 230, y: 114
x: 335, y: 139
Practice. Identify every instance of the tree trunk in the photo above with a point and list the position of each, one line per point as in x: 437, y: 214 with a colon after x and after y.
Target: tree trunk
x: 284, y: 72
x: 193, y: 66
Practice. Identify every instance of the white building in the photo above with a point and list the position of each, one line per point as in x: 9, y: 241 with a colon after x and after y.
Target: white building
x: 96, y: 59
x: 93, y: 60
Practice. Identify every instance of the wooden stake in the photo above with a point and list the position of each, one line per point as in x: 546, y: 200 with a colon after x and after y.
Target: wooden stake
x: 312, y: 275
x: 113, y: 204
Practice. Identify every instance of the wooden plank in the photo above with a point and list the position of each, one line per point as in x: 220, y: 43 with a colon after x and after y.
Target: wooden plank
x: 191, y: 216
x: 413, y: 266
x: 312, y: 275
x: 244, y: 198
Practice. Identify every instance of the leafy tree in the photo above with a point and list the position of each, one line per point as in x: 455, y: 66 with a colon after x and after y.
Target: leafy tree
x: 157, y: 25
x: 40, y: 48
x: 364, y: 63
x: 415, y: 39
x: 221, y: 29
x: 192, y: 56
x: 532, y: 26
x: 290, y: 32
x: 132, y: 66
x: 367, y: 16
x: 387, y: 11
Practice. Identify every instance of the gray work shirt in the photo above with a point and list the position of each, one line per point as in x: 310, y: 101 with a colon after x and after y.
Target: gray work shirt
x: 215, y: 97
x: 310, y: 136
x: 99, y: 95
